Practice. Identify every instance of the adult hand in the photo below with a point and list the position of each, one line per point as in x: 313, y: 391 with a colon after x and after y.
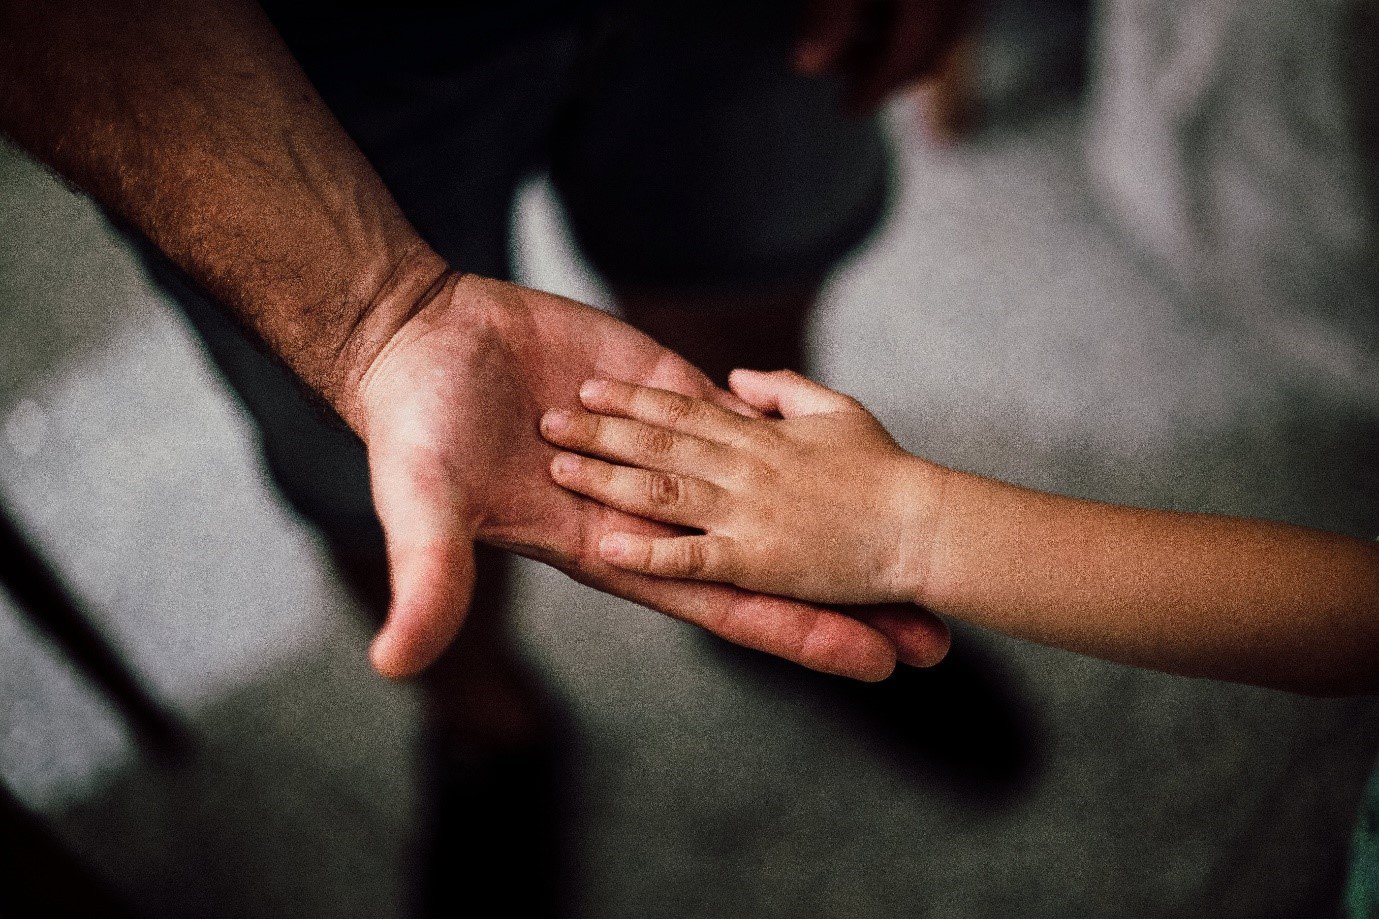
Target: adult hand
x: 878, y: 46
x: 449, y: 409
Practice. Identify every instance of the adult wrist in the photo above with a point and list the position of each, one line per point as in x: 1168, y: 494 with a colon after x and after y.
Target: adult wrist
x: 388, y: 300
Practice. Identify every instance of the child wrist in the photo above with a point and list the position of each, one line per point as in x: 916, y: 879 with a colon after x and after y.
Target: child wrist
x: 924, y: 495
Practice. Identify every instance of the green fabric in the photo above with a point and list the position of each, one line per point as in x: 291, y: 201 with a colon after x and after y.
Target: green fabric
x: 1362, y: 888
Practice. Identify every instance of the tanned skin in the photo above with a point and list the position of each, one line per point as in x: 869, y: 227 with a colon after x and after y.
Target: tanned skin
x: 818, y: 502
x: 192, y: 122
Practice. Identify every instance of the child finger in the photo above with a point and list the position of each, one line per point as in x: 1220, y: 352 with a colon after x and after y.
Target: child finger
x: 661, y: 496
x: 668, y: 410
x: 704, y: 558
x: 634, y: 443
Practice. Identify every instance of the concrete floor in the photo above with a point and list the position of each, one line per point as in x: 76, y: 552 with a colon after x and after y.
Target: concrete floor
x: 995, y: 325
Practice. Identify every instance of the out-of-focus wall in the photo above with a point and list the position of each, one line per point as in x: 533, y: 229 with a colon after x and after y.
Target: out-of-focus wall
x: 1235, y: 142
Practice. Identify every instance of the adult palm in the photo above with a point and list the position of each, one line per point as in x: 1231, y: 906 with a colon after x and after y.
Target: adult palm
x: 450, y: 410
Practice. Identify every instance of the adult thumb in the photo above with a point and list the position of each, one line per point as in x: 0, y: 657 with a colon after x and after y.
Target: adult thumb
x: 430, y: 543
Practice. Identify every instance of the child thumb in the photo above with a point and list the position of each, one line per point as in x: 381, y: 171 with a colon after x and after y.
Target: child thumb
x: 786, y: 393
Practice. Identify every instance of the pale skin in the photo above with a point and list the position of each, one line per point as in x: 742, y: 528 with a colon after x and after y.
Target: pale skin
x: 817, y: 501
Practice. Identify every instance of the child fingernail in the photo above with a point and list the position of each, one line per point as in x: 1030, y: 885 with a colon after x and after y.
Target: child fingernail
x: 556, y: 421
x: 613, y: 546
x: 592, y: 389
x: 565, y: 464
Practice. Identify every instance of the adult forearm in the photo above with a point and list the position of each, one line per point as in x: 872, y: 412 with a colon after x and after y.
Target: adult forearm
x: 192, y: 122
x: 1243, y: 600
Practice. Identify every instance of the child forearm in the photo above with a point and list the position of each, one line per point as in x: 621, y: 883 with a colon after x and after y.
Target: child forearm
x: 1227, y: 598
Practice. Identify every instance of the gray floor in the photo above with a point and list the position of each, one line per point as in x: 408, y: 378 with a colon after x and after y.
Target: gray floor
x: 995, y: 325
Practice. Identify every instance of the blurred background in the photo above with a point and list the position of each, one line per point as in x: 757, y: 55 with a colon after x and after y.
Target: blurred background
x: 1133, y: 257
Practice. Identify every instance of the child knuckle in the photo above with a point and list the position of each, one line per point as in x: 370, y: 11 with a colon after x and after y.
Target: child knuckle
x: 664, y: 490
x: 678, y: 410
x: 693, y: 557
x: 655, y: 442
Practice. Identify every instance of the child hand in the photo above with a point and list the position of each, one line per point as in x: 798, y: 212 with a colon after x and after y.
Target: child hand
x: 818, y: 504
